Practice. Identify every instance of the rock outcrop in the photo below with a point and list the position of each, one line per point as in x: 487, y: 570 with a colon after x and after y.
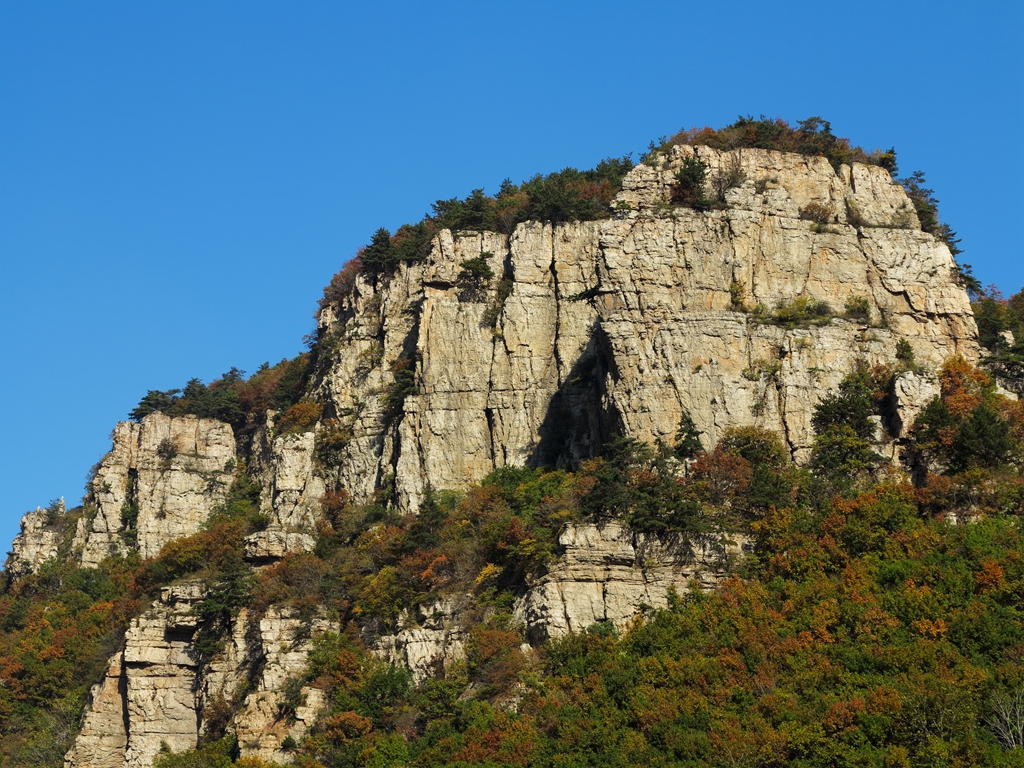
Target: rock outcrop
x: 37, y: 542
x: 292, y: 489
x: 608, y: 574
x: 147, y: 697
x: 157, y: 692
x: 277, y: 644
x: 160, y: 482
x: 625, y: 324
x: 432, y: 638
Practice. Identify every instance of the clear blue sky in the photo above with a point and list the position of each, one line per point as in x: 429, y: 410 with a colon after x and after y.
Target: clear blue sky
x: 179, y: 180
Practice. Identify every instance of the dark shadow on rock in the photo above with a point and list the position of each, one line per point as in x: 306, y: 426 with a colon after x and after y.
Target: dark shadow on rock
x: 580, y: 418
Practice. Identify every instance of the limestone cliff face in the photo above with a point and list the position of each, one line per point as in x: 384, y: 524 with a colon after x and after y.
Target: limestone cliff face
x: 623, y: 324
x: 158, y: 483
x: 431, y: 640
x: 292, y: 489
x: 609, y: 573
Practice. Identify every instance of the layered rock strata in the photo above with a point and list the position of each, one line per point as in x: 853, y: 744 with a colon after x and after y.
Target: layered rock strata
x: 37, y: 542
x: 156, y: 692
x: 431, y: 640
x: 291, y: 492
x: 608, y: 573
x: 147, y: 697
x: 588, y: 329
x: 159, y: 482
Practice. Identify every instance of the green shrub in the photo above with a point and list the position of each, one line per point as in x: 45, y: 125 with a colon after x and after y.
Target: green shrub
x: 216, y: 754
x: 801, y: 312
x: 687, y: 443
x: 858, y: 308
x: 231, y: 398
x: 167, y: 449
x: 816, y: 212
x: 851, y: 407
x: 379, y: 256
x: 301, y: 417
x: 926, y: 205
x: 475, y: 277
x: 729, y: 176
x: 982, y: 440
x: 812, y: 136
x: 689, y: 186
x: 841, y: 454
x: 331, y: 441
x: 403, y: 385
x: 492, y: 314
x: 904, y: 351
x: 737, y: 297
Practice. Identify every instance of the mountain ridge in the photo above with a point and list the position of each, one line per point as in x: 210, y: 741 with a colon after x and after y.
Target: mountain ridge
x: 786, y: 314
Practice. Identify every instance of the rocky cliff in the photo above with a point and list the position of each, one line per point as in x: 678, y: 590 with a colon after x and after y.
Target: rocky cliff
x: 156, y: 693
x: 625, y: 324
x: 588, y: 329
x: 158, y: 483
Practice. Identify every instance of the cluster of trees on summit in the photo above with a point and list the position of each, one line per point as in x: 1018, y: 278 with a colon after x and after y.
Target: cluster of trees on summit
x: 573, y: 195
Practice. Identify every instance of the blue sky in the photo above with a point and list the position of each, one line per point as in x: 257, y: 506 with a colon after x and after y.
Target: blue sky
x: 178, y: 181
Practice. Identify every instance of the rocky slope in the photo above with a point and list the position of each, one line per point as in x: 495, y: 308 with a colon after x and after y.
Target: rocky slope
x: 622, y: 325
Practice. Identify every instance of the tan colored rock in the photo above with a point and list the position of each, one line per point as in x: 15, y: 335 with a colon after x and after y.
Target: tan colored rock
x: 609, y: 573
x: 626, y: 323
x: 147, y: 697
x: 155, y: 692
x: 161, y: 672
x: 432, y: 639
x: 260, y: 725
x: 102, y: 741
x: 621, y: 325
x: 261, y: 728
x: 912, y: 392
x: 37, y: 542
x: 285, y: 467
x: 274, y: 543
x: 169, y: 472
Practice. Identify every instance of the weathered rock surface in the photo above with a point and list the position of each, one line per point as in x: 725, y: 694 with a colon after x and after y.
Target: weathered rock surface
x: 159, y: 482
x: 147, y: 696
x: 432, y: 638
x: 37, y: 542
x: 103, y: 739
x: 626, y: 323
x: 292, y: 489
x: 283, y: 645
x: 156, y: 692
x: 911, y: 393
x: 274, y: 543
x: 608, y: 574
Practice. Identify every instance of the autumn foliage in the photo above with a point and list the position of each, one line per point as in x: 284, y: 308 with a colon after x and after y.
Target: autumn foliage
x: 860, y: 627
